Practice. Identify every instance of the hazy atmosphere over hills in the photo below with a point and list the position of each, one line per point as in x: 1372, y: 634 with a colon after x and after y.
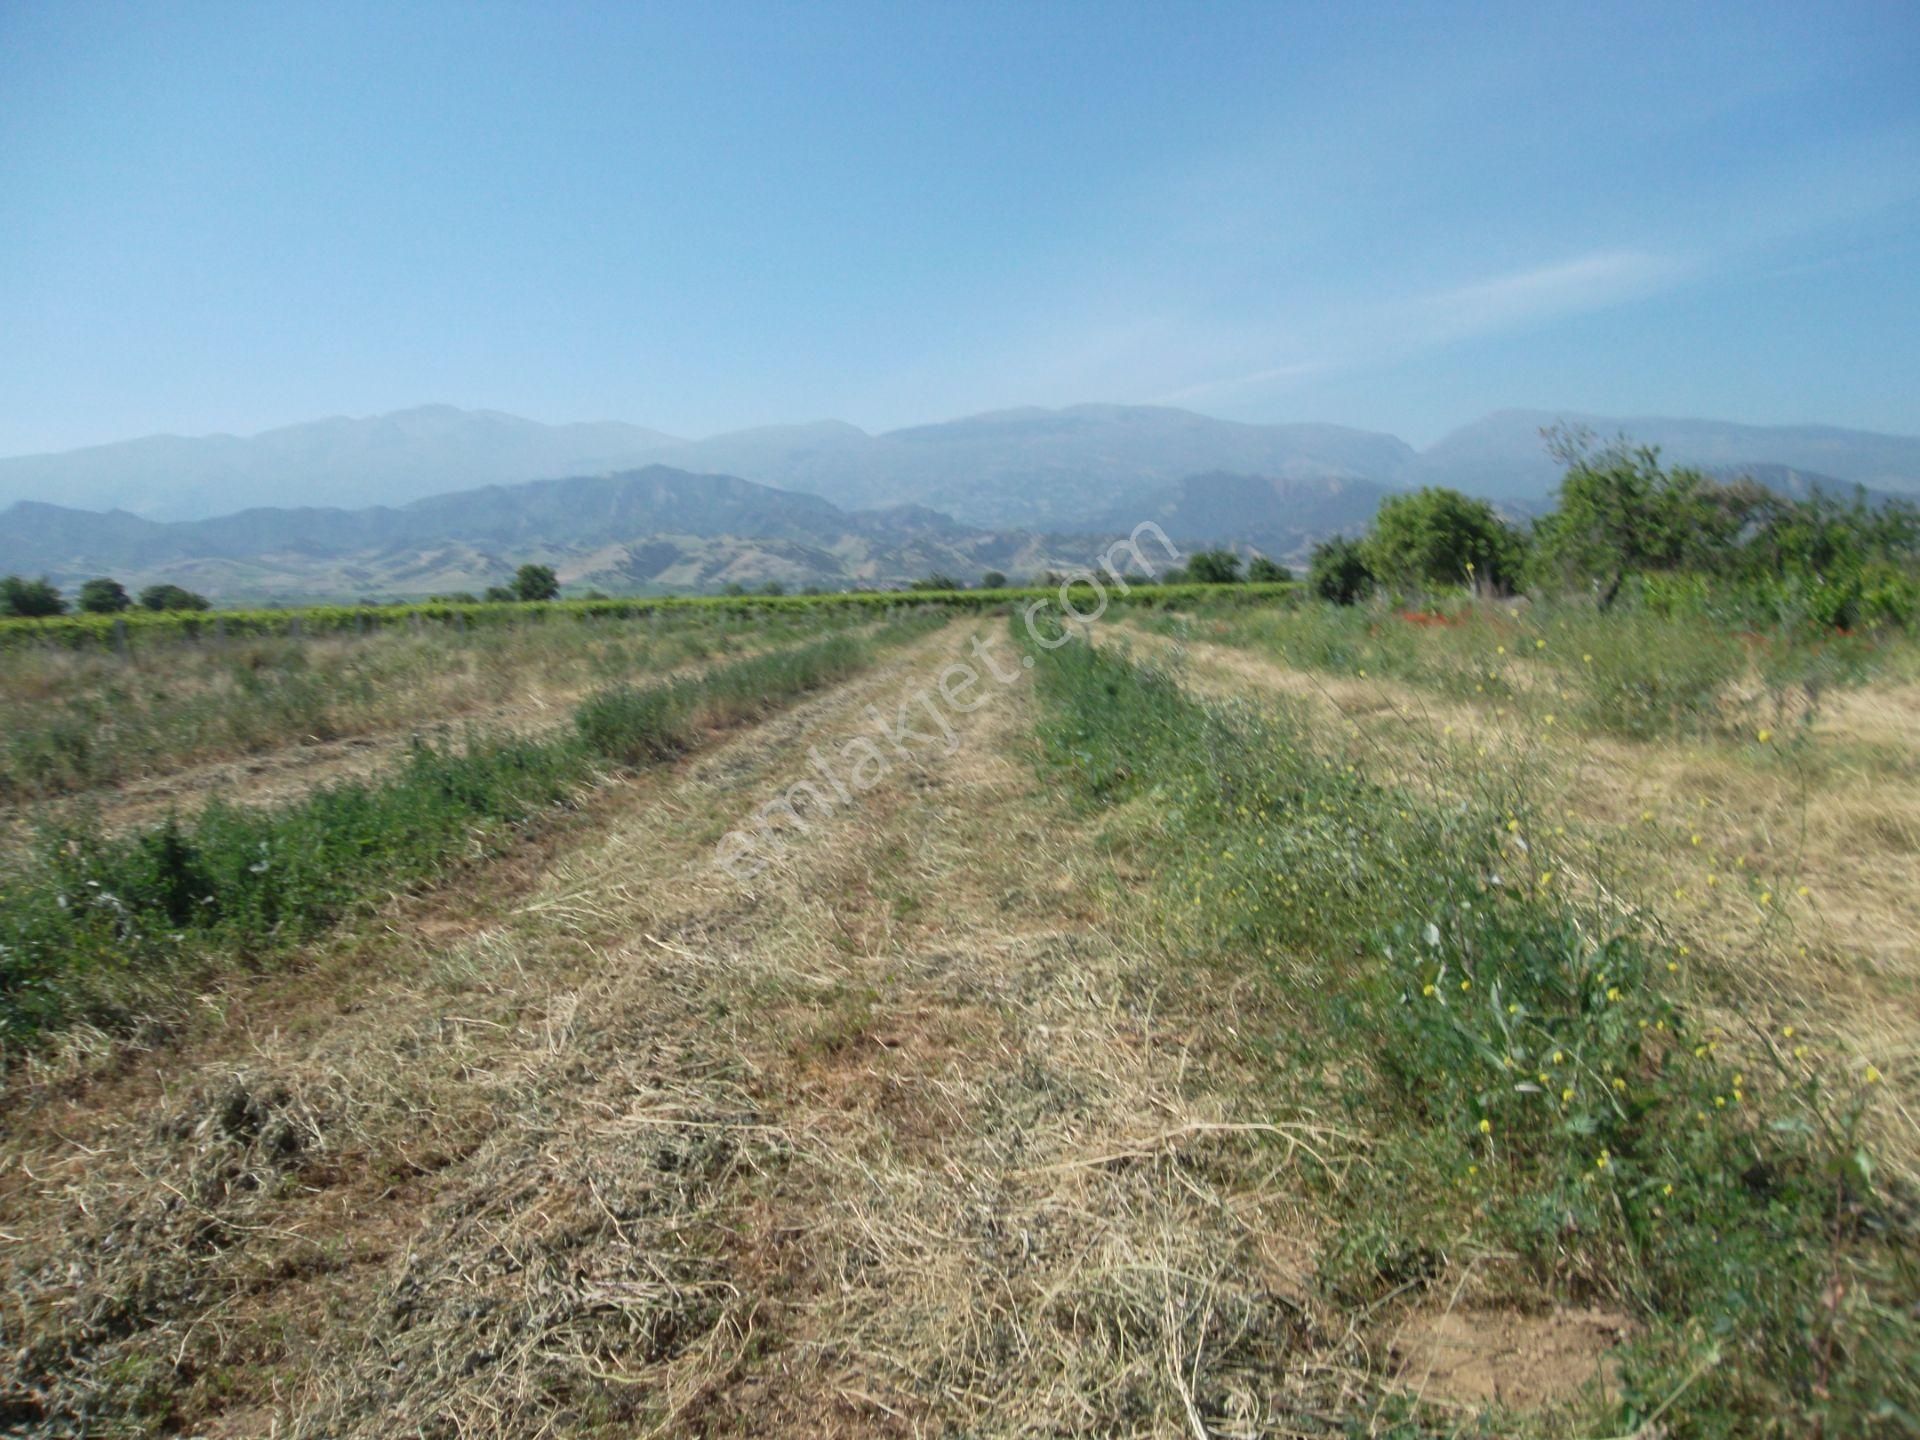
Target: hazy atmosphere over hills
x: 290, y: 513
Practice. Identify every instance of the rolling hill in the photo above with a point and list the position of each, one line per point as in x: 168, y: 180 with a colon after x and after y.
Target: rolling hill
x: 652, y: 528
x: 1278, y: 516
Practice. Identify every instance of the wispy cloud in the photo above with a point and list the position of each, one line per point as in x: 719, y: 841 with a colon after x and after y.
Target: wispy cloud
x: 1272, y: 377
x: 1543, y: 292
x: 1359, y: 336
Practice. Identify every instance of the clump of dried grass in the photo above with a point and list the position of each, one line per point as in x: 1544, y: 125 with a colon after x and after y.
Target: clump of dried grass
x: 913, y: 1134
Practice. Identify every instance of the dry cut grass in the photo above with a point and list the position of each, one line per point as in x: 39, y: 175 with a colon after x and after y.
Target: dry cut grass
x: 913, y: 1134
x: 1790, y: 869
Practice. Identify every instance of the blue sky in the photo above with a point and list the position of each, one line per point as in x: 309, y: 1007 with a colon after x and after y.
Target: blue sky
x: 703, y: 217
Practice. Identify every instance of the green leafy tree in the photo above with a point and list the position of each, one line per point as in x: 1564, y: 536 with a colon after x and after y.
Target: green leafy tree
x: 993, y: 580
x: 1214, y: 567
x: 1338, y: 571
x: 501, y: 595
x: 936, y: 581
x: 535, y: 582
x: 1437, y: 537
x: 104, y: 597
x: 30, y: 599
x: 1262, y: 571
x: 172, y: 597
x: 1619, y: 513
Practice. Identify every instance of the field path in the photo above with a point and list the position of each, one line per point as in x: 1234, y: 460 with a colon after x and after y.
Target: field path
x: 908, y: 1135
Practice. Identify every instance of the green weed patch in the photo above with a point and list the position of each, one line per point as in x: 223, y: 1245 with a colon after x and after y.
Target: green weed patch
x: 1524, y: 1062
x: 103, y: 928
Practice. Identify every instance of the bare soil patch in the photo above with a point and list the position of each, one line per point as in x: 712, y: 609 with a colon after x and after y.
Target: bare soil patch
x: 1477, y: 1358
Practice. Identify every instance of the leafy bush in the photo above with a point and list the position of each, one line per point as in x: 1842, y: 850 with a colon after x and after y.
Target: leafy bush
x: 29, y: 599
x: 1338, y: 571
x: 172, y: 597
x: 1439, y: 537
x: 535, y: 582
x: 1213, y: 567
x: 104, y: 597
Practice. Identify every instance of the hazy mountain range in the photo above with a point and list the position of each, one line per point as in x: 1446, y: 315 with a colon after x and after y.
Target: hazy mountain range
x: 439, y: 498
x: 654, y: 528
x: 1048, y: 468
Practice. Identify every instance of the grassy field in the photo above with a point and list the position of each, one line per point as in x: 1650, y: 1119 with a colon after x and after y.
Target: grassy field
x: 137, y: 629
x: 1261, y: 1021
x: 1552, y: 1078
x: 79, y: 719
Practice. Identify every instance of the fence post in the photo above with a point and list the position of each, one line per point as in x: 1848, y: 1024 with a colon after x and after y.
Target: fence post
x: 120, y: 637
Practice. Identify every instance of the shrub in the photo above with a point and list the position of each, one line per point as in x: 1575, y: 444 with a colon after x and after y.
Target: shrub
x: 1339, y: 571
x: 1439, y: 537
x: 1213, y: 567
x: 29, y: 599
x: 172, y: 597
x: 104, y: 597
x: 535, y: 582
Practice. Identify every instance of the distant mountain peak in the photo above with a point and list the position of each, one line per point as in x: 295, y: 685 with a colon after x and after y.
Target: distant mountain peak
x: 1031, y: 467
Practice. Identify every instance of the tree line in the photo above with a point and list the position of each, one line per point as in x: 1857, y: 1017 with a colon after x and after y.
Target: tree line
x: 36, y: 599
x: 39, y: 599
x: 1620, y: 514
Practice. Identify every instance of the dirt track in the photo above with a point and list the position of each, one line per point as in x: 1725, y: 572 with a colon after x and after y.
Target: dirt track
x: 916, y: 1133
x: 899, y: 1135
